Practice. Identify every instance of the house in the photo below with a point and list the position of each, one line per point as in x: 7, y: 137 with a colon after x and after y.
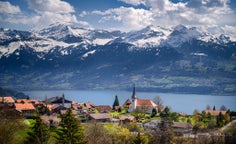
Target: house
x: 36, y: 103
x: 74, y: 112
x: 83, y: 108
x: 56, y: 108
x: 140, y: 104
x: 100, y: 117
x: 127, y: 119
x: 215, y: 112
x: 103, y: 108
x: 50, y: 120
x: 182, y: 128
x: 153, y: 124
x: 59, y: 101
x: 27, y: 109
x: 7, y: 99
x: 9, y: 112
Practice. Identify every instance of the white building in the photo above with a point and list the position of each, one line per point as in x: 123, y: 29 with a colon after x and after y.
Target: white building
x: 141, y: 104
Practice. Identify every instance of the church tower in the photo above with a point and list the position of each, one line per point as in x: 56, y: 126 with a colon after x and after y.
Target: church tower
x: 134, y: 99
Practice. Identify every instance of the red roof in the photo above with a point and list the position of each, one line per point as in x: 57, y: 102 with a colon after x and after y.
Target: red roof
x: 148, y: 103
x: 7, y: 99
x: 28, y: 101
x: 215, y: 112
x: 25, y: 106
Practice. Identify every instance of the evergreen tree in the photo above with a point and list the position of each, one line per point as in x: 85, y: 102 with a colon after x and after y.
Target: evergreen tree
x: 214, y: 108
x: 70, y: 131
x: 220, y: 120
x: 116, y: 102
x: 39, y: 133
x: 165, y: 113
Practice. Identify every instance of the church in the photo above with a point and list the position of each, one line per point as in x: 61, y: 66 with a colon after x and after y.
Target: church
x: 137, y: 104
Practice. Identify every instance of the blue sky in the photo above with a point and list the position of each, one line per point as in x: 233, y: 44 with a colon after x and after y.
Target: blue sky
x: 124, y: 15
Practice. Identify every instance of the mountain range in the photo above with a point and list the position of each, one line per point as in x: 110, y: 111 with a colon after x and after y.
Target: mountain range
x: 180, y: 59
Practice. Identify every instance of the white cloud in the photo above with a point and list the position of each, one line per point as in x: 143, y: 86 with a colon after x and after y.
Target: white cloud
x: 85, y: 24
x: 54, y: 6
x: 134, y: 2
x: 194, y: 12
x: 83, y: 14
x: 8, y: 8
x: 129, y: 18
x: 45, y: 13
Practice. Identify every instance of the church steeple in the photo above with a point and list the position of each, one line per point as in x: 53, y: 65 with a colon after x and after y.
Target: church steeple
x: 134, y: 93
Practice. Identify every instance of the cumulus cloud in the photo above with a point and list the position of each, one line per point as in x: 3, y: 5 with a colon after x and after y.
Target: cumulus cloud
x: 134, y: 2
x: 193, y: 12
x: 8, y: 8
x: 45, y: 13
x: 54, y: 6
x: 53, y: 11
x: 128, y: 17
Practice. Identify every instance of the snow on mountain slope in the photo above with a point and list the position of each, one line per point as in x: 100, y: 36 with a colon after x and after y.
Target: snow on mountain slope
x: 150, y: 36
x: 181, y: 34
x: 61, y: 30
x: 88, y: 53
x: 65, y: 37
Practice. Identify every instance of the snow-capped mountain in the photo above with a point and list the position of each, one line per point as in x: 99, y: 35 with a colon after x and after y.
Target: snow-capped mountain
x: 85, y: 57
x: 62, y: 36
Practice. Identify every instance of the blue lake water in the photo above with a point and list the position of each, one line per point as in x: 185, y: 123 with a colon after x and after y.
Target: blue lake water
x: 177, y: 102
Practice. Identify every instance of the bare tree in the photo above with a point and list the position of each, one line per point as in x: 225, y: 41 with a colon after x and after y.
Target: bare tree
x: 157, y: 100
x: 223, y: 108
x: 96, y: 134
x: 208, y: 107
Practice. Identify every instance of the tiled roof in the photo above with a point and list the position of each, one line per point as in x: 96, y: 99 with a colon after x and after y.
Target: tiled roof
x: 49, y: 117
x: 214, y: 112
x: 181, y: 125
x: 148, y: 103
x: 103, y: 108
x: 131, y: 118
x: 54, y: 100
x: 100, y: 116
x: 25, y: 106
x: 28, y: 101
x: 7, y: 99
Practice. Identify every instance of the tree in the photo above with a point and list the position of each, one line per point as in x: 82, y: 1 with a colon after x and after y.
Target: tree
x: 208, y: 107
x: 39, y: 133
x: 223, y: 108
x: 10, y: 125
x: 214, y: 108
x: 70, y: 131
x: 154, y: 112
x: 165, y: 112
x: 220, y: 120
x: 96, y: 134
x: 230, y: 134
x: 166, y: 131
x: 116, y: 102
x: 157, y: 100
x: 140, y: 139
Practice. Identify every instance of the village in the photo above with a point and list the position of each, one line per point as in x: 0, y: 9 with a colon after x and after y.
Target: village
x: 135, y: 115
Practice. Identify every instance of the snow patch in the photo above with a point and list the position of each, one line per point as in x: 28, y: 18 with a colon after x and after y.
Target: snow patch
x: 88, y: 53
x: 101, y: 41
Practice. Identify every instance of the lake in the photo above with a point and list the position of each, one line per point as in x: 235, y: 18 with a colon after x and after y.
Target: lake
x: 177, y: 102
